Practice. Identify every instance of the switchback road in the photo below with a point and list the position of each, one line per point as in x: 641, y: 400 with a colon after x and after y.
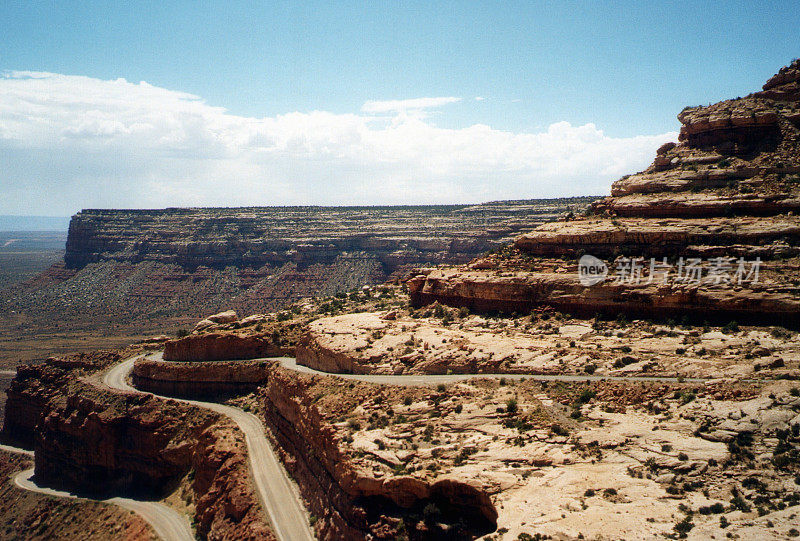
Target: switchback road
x: 280, y: 497
x: 167, y: 523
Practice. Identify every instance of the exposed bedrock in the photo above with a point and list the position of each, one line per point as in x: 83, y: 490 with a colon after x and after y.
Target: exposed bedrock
x: 351, y: 503
x: 101, y: 442
x: 199, y: 379
x: 215, y: 346
x: 564, y: 292
x: 729, y: 188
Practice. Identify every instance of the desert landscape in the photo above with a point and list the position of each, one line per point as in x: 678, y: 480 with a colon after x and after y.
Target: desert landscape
x: 431, y: 372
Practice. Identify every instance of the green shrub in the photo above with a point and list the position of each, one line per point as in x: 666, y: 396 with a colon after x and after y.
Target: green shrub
x: 731, y: 327
x: 511, y: 406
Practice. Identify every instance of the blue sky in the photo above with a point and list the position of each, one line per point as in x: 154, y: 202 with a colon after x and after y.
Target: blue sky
x: 518, y: 67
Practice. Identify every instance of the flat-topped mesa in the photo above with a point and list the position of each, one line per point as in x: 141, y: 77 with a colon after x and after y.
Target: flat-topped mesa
x: 729, y: 188
x: 257, y: 236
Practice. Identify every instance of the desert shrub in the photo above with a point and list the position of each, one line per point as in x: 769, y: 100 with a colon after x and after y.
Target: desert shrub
x: 511, y: 406
x: 684, y: 526
x: 730, y: 327
x: 780, y: 332
x: 624, y: 361
x: 739, y: 503
x: 715, y: 509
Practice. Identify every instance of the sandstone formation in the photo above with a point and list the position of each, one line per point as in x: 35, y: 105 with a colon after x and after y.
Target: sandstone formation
x: 97, y: 441
x: 356, y: 499
x: 215, y: 346
x: 127, y: 273
x: 198, y: 379
x: 728, y: 189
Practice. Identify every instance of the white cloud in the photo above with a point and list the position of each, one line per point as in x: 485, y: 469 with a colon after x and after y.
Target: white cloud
x: 397, y: 106
x: 71, y: 142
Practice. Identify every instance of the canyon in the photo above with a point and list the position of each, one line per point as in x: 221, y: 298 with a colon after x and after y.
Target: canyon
x: 497, y: 396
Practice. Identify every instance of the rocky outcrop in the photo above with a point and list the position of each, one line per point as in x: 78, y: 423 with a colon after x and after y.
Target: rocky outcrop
x: 219, y: 346
x: 735, y: 157
x: 90, y: 439
x: 198, y: 379
x: 564, y: 292
x: 729, y: 188
x: 351, y: 503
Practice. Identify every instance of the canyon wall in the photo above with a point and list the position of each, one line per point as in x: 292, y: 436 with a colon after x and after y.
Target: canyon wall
x: 349, y: 501
x: 90, y: 439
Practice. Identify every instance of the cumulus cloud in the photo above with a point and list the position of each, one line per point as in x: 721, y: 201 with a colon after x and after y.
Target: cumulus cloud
x: 71, y: 142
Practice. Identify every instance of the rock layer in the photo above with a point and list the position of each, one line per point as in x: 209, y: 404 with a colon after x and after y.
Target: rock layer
x: 728, y: 189
x: 98, y: 441
x: 199, y: 379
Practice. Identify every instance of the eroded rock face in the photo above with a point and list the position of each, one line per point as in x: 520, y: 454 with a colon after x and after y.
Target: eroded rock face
x: 730, y: 188
x: 218, y: 346
x: 94, y: 440
x: 353, y: 502
x: 198, y: 379
x: 735, y: 157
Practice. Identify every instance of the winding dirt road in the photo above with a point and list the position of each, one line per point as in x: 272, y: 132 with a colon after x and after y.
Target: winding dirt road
x: 279, y: 496
x: 167, y: 523
x: 435, y: 379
